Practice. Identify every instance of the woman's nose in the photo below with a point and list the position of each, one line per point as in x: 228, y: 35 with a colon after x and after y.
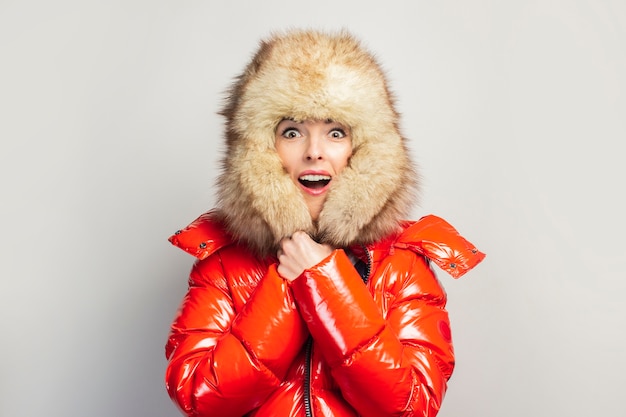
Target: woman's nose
x: 314, y: 148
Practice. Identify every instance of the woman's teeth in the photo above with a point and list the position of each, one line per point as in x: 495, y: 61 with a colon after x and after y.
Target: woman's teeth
x: 311, y: 177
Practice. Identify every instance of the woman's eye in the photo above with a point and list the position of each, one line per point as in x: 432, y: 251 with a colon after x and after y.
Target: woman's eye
x: 291, y: 133
x: 337, y: 133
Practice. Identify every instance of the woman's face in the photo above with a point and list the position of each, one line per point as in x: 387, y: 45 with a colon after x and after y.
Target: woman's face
x: 313, y: 153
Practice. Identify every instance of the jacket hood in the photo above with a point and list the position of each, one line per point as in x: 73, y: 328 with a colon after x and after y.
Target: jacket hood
x: 311, y: 75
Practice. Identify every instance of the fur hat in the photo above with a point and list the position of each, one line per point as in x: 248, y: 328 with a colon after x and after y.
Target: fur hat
x: 311, y: 75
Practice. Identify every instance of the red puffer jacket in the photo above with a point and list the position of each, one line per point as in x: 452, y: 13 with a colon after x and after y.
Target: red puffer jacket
x: 239, y: 343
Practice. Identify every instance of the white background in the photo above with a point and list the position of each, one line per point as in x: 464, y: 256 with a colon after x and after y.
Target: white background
x: 516, y: 112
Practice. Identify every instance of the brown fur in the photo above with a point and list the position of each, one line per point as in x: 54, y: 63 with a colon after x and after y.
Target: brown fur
x: 313, y: 75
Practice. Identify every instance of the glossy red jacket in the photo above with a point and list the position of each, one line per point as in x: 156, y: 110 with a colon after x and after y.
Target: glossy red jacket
x: 237, y: 344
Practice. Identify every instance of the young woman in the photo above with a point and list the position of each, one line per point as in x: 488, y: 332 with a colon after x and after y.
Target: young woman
x: 311, y: 296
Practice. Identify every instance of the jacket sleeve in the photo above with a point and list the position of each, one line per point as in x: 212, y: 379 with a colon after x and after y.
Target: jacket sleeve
x: 223, y: 362
x: 396, y: 364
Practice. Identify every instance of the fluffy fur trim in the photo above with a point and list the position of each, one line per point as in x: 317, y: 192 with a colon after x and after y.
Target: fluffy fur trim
x: 316, y: 76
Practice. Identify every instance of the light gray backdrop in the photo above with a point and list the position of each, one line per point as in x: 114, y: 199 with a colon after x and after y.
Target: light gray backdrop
x: 110, y: 141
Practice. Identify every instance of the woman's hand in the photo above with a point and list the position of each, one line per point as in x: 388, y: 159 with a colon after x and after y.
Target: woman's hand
x: 299, y: 252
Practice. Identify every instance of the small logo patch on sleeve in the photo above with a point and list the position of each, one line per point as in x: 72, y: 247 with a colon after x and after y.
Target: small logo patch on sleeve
x: 444, y: 329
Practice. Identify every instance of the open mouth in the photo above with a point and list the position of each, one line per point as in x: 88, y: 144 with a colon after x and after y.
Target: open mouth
x: 314, y: 182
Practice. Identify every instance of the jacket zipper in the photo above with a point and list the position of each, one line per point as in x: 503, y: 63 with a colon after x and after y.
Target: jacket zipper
x: 308, y: 410
x: 368, y: 265
x: 308, y: 357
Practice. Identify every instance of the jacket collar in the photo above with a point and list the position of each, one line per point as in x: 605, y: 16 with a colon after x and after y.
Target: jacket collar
x: 430, y: 236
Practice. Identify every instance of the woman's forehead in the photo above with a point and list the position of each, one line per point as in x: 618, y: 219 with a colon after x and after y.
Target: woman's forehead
x: 309, y: 121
